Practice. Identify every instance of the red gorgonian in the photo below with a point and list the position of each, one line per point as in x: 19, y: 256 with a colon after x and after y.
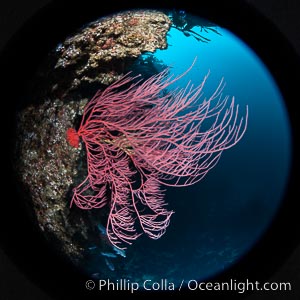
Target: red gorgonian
x: 141, y: 135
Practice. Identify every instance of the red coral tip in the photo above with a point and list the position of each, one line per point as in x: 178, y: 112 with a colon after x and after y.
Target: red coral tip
x: 72, y: 137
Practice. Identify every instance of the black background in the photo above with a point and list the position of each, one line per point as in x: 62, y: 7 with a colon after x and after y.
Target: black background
x: 285, y: 14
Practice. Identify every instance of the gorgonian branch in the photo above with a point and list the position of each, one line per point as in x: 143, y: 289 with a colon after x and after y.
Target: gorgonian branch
x: 140, y: 135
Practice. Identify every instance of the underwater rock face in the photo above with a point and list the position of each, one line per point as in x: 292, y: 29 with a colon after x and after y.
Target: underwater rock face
x: 101, y: 51
x: 47, y: 166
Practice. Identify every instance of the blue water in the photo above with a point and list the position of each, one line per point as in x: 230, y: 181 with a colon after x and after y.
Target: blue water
x: 218, y: 220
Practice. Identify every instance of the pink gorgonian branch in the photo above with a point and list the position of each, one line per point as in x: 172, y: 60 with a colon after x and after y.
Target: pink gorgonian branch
x: 140, y: 135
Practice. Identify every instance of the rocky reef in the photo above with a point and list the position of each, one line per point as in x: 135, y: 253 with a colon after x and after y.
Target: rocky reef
x: 47, y: 166
x: 104, y: 50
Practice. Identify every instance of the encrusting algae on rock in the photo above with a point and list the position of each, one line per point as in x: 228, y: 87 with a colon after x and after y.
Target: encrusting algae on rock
x: 102, y: 51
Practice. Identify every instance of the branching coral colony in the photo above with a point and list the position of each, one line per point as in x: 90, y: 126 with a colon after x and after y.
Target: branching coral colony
x: 140, y: 136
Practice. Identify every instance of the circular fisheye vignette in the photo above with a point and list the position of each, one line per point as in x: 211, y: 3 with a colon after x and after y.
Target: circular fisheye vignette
x: 104, y: 57
x: 175, y: 215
